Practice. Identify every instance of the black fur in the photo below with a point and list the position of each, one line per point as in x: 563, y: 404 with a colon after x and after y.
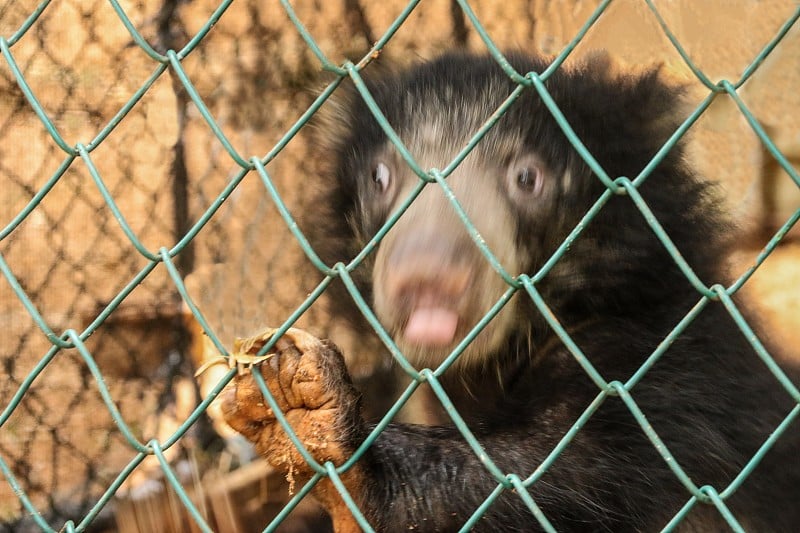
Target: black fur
x: 616, y: 291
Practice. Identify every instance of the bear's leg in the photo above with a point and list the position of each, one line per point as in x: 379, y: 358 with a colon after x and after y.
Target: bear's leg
x: 308, y: 380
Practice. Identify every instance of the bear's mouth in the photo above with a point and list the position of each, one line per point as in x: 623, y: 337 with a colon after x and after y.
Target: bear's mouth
x: 432, y: 315
x: 431, y: 326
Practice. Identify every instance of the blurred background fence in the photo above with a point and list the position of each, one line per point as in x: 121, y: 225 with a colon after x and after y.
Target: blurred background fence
x: 90, y: 110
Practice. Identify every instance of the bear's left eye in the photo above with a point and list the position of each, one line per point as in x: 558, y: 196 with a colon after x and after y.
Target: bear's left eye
x: 382, y: 176
x: 529, y: 180
x: 525, y: 177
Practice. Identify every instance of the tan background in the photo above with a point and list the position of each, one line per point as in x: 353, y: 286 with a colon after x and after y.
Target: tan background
x: 164, y: 168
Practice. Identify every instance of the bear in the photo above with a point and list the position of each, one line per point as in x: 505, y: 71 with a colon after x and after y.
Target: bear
x: 580, y: 324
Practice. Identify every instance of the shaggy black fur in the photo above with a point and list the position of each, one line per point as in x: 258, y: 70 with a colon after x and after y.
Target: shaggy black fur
x: 616, y: 291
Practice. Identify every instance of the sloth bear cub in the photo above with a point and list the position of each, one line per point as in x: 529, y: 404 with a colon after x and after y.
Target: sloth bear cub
x: 521, y: 387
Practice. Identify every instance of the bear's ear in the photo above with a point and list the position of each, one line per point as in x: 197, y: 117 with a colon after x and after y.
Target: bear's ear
x: 623, y: 114
x: 602, y: 61
x: 652, y: 80
x: 333, y: 122
x: 663, y: 98
x: 345, y: 111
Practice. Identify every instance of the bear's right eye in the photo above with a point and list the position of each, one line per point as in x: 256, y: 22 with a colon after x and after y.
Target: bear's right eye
x: 382, y: 176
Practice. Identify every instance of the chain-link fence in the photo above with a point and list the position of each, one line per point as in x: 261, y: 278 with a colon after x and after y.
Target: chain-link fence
x: 150, y: 166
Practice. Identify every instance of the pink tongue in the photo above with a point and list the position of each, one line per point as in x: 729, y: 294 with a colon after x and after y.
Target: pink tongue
x: 431, y: 326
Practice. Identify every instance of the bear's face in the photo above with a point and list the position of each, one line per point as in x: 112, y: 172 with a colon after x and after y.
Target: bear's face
x: 524, y: 188
x: 431, y: 284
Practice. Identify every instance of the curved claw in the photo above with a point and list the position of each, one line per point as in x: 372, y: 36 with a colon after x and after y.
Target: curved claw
x: 243, y: 356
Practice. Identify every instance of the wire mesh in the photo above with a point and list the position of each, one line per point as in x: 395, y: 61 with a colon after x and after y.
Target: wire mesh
x: 124, y: 273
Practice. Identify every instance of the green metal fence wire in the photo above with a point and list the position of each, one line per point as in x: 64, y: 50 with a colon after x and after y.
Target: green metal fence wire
x: 171, y: 62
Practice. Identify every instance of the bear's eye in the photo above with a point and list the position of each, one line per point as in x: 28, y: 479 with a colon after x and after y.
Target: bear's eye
x: 529, y: 180
x: 381, y: 176
x: 526, y: 178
